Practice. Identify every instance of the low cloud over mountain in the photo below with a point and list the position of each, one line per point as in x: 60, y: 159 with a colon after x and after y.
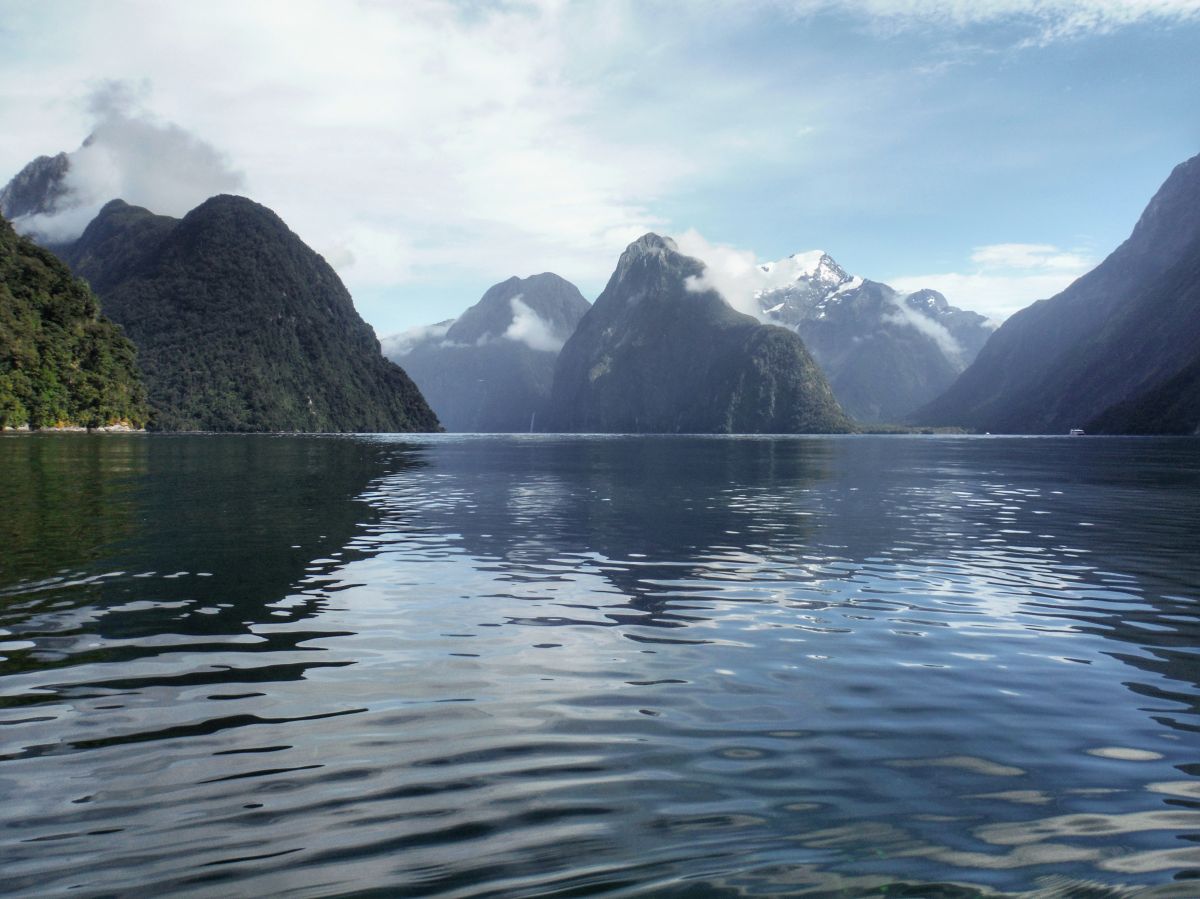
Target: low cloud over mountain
x: 131, y: 155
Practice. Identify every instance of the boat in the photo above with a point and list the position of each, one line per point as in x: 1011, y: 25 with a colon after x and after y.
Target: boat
x: 1076, y: 432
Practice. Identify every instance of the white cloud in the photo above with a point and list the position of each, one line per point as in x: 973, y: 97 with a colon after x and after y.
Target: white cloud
x: 397, y: 345
x: 907, y: 315
x: 531, y: 329
x: 527, y: 327
x: 1006, y: 278
x: 132, y: 155
x: 1028, y: 256
x: 388, y: 136
x: 731, y: 272
x: 738, y: 274
x: 58, y: 227
x: 1050, y: 20
x: 432, y: 144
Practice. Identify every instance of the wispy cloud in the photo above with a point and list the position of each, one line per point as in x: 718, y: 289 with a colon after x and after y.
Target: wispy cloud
x: 396, y: 346
x: 937, y: 332
x: 1004, y: 278
x: 423, y: 137
x: 1028, y: 256
x: 432, y: 147
x: 1047, y: 20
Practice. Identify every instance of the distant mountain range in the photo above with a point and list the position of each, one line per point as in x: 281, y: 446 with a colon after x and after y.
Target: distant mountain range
x: 1116, y: 352
x: 62, y: 364
x: 885, y: 353
x: 655, y: 355
x: 491, y: 369
x: 239, y: 325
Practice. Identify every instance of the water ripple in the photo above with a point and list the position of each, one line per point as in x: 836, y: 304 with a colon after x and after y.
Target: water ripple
x: 670, y: 666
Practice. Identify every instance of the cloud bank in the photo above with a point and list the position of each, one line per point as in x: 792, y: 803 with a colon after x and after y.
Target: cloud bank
x: 431, y: 147
x: 133, y: 156
x: 733, y: 273
x: 1006, y: 277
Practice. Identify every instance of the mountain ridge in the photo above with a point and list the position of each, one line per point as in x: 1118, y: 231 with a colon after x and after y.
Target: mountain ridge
x: 1124, y: 328
x: 240, y: 325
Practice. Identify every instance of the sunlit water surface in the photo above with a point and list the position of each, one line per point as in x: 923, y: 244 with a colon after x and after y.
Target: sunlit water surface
x: 469, y: 666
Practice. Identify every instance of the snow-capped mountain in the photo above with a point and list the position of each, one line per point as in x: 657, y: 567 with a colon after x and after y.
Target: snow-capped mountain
x: 806, y: 282
x: 885, y: 353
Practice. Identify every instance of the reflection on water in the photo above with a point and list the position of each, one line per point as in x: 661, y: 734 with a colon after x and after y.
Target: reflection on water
x: 680, y: 666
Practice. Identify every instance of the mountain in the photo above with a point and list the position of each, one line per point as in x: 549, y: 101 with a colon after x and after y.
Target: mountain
x: 1117, y: 351
x: 1171, y: 407
x: 654, y: 354
x: 885, y: 353
x: 491, y: 369
x: 61, y: 362
x: 239, y: 325
x: 37, y: 189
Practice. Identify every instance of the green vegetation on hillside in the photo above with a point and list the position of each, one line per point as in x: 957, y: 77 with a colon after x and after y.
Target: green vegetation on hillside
x: 240, y: 326
x: 62, y: 364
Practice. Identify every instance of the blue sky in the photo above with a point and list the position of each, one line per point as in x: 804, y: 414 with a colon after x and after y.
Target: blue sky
x: 993, y: 149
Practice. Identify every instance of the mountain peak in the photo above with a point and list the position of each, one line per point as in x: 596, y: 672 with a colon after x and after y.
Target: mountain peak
x: 491, y: 368
x: 231, y: 203
x: 810, y: 266
x: 652, y: 243
x: 653, y: 256
x: 553, y: 300
x: 37, y: 188
x: 240, y: 326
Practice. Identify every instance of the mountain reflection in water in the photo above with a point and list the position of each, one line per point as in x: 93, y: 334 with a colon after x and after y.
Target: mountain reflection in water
x: 683, y: 666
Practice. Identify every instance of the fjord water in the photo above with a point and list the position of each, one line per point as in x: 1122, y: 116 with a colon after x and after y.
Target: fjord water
x: 619, y: 665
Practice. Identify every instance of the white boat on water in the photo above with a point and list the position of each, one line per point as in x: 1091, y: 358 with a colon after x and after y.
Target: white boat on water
x: 1076, y: 432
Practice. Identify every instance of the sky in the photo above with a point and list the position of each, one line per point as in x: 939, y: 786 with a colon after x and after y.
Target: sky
x: 991, y: 149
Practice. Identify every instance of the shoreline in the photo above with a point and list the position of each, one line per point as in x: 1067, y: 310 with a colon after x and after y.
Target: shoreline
x: 73, y: 429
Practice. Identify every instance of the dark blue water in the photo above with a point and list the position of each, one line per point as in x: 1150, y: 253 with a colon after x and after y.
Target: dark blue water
x: 562, y: 666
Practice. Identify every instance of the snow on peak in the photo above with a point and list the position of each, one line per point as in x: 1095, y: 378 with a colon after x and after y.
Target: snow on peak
x: 849, y: 285
x: 777, y: 291
x: 808, y: 263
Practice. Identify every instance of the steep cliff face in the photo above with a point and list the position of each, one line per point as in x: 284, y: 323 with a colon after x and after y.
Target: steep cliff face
x: 655, y: 355
x: 61, y: 362
x: 240, y: 326
x: 491, y: 369
x: 1082, y: 358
